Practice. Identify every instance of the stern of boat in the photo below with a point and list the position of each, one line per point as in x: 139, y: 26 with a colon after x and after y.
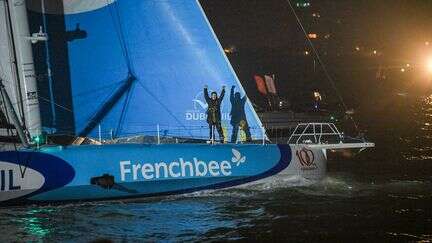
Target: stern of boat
x: 310, y: 143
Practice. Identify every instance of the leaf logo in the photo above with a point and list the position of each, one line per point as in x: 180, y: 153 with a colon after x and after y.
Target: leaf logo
x: 237, y: 157
x: 198, y: 101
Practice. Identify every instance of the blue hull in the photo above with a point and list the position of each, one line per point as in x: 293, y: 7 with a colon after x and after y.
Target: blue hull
x: 85, y: 173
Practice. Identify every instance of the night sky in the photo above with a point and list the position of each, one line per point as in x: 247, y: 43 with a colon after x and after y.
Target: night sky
x: 270, y: 23
x: 268, y: 39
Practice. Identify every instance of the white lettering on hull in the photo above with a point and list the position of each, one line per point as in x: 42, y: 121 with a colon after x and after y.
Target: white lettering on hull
x: 175, y: 169
x: 14, y: 183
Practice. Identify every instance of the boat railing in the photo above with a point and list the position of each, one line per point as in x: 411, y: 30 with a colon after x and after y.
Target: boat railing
x: 316, y: 133
x: 160, y: 134
x: 304, y: 133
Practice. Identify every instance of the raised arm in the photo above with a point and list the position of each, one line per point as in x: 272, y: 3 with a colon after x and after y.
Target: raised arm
x: 232, y: 94
x: 222, y: 93
x: 206, y: 95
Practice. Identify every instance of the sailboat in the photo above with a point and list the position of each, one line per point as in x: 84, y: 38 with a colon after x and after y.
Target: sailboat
x: 121, y: 73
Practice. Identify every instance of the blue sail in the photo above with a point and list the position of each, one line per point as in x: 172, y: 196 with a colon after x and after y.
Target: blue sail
x: 134, y: 65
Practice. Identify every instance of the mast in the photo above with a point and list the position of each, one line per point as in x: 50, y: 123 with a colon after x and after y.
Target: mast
x: 25, y: 65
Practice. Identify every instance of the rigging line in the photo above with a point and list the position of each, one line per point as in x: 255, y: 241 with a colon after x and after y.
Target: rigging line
x: 119, y: 30
x: 108, y: 106
x: 329, y: 78
x: 116, y: 19
x: 2, y: 70
x: 124, y: 111
x: 48, y: 64
x: 122, y: 36
x: 13, y: 57
x: 5, y: 113
x: 98, y: 89
x: 102, y: 104
x: 9, y: 132
x: 114, y: 10
x: 58, y: 105
x: 163, y: 105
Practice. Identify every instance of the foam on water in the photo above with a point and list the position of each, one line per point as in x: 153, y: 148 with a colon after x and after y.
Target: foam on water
x: 250, y: 189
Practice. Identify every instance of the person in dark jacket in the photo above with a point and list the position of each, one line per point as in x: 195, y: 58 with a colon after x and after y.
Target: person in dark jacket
x: 214, y: 111
x: 238, y: 116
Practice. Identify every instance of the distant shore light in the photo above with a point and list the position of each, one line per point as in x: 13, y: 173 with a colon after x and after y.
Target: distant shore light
x: 312, y: 36
x: 429, y: 64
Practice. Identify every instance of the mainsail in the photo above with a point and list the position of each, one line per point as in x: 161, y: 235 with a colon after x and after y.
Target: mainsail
x: 132, y: 66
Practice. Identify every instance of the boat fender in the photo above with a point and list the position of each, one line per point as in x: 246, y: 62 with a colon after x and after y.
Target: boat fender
x: 105, y: 181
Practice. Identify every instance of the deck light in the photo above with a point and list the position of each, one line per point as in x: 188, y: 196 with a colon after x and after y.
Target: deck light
x: 39, y: 139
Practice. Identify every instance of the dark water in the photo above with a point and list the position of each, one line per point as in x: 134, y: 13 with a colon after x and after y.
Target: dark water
x: 383, y: 194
